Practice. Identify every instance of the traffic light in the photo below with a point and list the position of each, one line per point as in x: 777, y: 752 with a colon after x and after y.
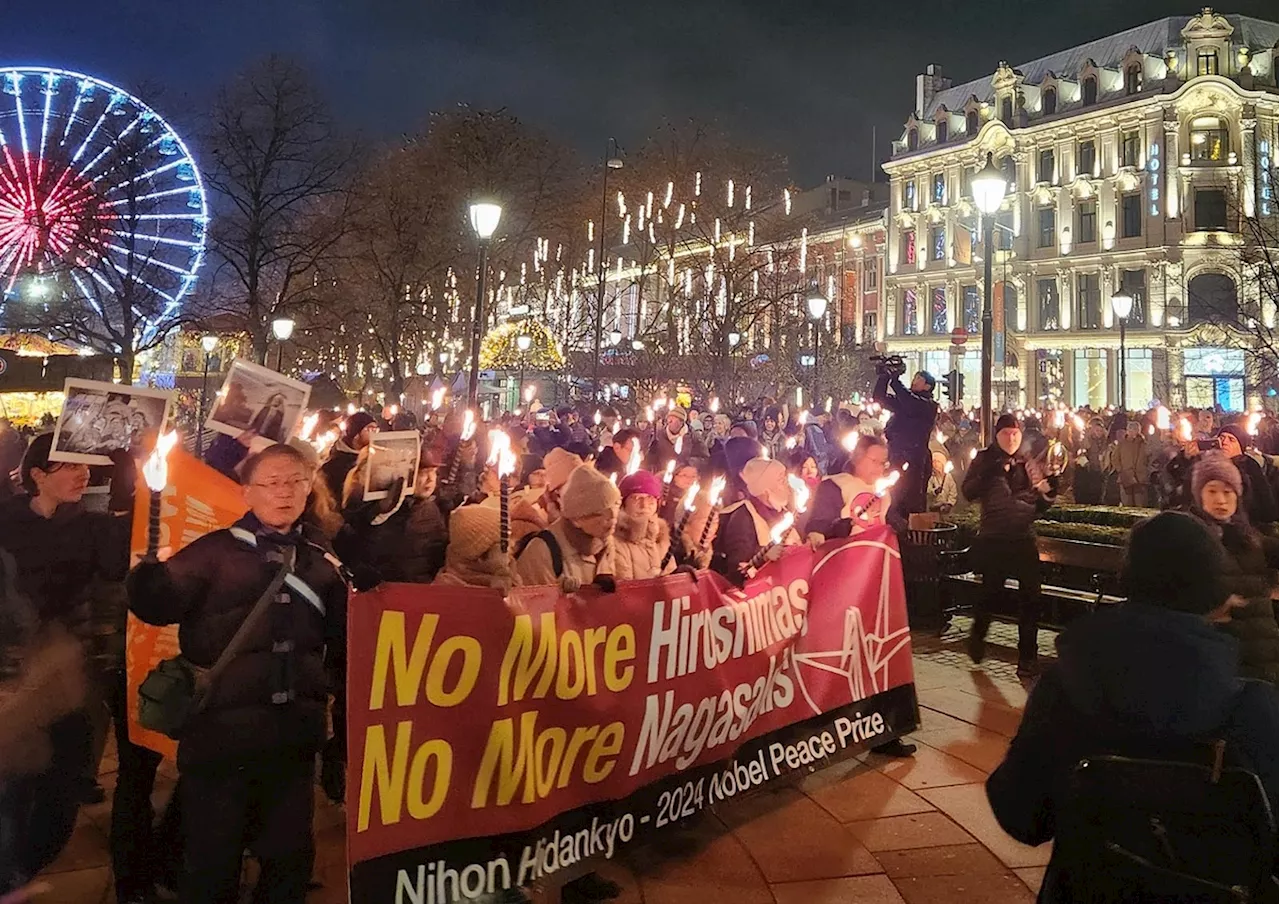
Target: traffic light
x: 955, y: 388
x: 959, y: 387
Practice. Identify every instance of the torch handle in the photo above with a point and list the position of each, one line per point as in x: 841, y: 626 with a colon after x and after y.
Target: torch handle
x: 504, y: 528
x: 153, y: 526
x: 676, y: 537
x: 758, y: 559
x: 713, y: 516
x: 452, y: 473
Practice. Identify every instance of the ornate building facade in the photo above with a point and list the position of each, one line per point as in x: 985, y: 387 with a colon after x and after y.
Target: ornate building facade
x: 1142, y: 162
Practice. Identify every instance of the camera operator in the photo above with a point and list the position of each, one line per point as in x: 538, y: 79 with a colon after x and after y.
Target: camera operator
x: 908, y: 431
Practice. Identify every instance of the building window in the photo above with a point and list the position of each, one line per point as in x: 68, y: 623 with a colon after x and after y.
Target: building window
x: 1047, y: 292
x: 938, y: 318
x: 1010, y: 308
x: 1129, y: 146
x: 1131, y: 216
x: 971, y: 123
x: 1006, y: 111
x: 909, y: 246
x: 1087, y: 221
x: 1046, y: 220
x: 937, y: 243
x: 1133, y: 79
x: 909, y: 195
x: 1089, y: 91
x: 870, y: 275
x: 1209, y: 139
x: 1004, y: 231
x: 1211, y: 210
x: 1134, y: 284
x: 1086, y: 158
x: 913, y: 139
x: 1213, y: 298
x: 1089, y: 380
x: 939, y: 188
x: 1049, y: 102
x: 1207, y: 62
x: 910, y: 327
x: 940, y: 134
x: 1088, y: 302
x: 1044, y: 171
x: 972, y: 310
x: 869, y: 326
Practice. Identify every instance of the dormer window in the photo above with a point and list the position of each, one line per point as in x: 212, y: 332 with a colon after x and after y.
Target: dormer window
x: 1049, y: 102
x: 1133, y: 78
x: 971, y: 123
x: 1006, y: 111
x: 1089, y: 91
x: 940, y: 131
x: 1207, y: 62
x: 913, y: 140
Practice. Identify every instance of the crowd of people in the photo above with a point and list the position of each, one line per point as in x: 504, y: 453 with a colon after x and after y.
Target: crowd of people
x: 594, y: 498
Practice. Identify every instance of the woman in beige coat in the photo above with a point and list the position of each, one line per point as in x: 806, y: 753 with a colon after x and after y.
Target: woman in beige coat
x: 641, y: 539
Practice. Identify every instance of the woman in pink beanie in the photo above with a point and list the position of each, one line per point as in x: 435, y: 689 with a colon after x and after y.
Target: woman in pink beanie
x: 641, y: 538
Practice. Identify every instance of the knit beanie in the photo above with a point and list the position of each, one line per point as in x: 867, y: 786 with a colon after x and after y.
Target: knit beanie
x: 641, y: 482
x: 1241, y: 435
x: 559, y: 464
x: 1214, y: 465
x: 473, y: 530
x: 766, y: 479
x: 1173, y: 561
x: 587, y: 492
x: 356, y: 423
x: 738, y: 450
x: 1005, y: 422
x: 677, y: 411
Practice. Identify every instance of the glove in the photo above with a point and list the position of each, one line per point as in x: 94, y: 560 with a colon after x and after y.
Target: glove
x: 570, y: 584
x: 606, y: 583
x: 364, y: 578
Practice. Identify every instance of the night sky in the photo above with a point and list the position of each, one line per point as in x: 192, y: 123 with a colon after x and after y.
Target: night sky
x: 807, y: 78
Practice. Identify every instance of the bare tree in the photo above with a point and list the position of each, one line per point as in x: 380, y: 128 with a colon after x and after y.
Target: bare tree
x: 278, y: 171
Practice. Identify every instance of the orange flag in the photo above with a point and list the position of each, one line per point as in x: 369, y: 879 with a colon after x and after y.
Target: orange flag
x: 198, y: 500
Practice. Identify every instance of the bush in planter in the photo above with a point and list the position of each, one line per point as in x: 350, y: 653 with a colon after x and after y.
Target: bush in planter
x: 1104, y: 515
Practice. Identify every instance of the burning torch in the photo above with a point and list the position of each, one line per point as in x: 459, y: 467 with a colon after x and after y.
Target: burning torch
x: 503, y: 459
x: 155, y: 471
x: 717, y: 490
x: 690, y: 503
x: 468, y: 431
x: 775, y: 538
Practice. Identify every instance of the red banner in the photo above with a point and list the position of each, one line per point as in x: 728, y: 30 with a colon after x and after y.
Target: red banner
x: 470, y: 716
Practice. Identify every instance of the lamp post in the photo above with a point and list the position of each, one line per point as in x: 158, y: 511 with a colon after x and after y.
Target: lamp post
x: 282, y: 329
x: 817, y: 310
x: 1122, y: 307
x: 208, y: 343
x: 989, y: 187
x: 484, y: 220
x: 523, y: 341
x: 612, y: 161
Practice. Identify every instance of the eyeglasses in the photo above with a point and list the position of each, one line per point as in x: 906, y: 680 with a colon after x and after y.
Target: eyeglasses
x: 291, y: 485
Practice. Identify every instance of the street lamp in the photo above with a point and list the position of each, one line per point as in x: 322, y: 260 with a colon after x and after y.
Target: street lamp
x: 734, y: 338
x: 989, y: 187
x: 282, y: 329
x: 1122, y: 307
x: 484, y: 220
x: 612, y: 161
x: 208, y: 343
x: 817, y: 305
x: 615, y: 336
x: 523, y: 342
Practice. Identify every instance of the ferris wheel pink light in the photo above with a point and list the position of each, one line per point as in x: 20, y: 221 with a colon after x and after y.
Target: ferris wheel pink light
x: 96, y: 189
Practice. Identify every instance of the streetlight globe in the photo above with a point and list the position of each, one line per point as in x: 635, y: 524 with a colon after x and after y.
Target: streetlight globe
x: 989, y: 187
x: 734, y: 338
x: 637, y: 345
x: 208, y: 343
x: 817, y: 306
x: 614, y: 162
x: 282, y: 328
x: 523, y: 342
x: 615, y: 336
x: 484, y: 218
x: 1122, y: 305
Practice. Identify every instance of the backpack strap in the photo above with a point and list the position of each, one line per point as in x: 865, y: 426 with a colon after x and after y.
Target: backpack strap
x: 553, y: 547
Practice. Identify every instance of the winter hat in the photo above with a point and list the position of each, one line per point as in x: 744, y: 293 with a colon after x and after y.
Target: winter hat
x: 767, y: 480
x: 738, y: 450
x: 1214, y: 465
x: 677, y: 411
x: 749, y: 428
x: 1005, y: 422
x: 473, y: 530
x: 1173, y: 561
x: 356, y: 423
x: 588, y: 492
x: 1241, y: 435
x: 559, y: 464
x: 641, y: 482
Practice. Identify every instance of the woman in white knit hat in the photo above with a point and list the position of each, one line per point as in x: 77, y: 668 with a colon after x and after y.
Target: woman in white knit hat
x: 577, y: 548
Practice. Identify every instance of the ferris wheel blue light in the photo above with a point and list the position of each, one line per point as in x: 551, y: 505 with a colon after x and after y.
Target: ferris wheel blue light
x: 70, y: 201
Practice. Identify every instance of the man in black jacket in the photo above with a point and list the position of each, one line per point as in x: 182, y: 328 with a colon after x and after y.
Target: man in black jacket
x: 1013, y: 492
x: 247, y: 758
x: 908, y: 431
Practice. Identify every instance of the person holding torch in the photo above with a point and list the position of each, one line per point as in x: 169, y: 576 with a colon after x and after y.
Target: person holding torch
x: 747, y: 526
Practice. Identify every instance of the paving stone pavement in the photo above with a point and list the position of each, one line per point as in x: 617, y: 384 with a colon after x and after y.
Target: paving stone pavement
x: 870, y: 830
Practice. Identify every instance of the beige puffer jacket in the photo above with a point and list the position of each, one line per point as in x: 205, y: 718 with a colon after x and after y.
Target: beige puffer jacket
x: 640, y: 547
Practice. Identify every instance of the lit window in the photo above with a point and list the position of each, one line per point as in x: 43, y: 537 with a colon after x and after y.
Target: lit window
x: 1210, y: 141
x: 939, y: 188
x: 909, y: 310
x: 972, y: 310
x: 1207, y: 62
x: 909, y: 195
x: 938, y: 322
x: 1047, y: 289
x: 937, y: 243
x: 909, y: 246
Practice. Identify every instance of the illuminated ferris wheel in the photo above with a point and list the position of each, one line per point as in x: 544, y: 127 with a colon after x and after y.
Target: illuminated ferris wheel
x: 99, y: 196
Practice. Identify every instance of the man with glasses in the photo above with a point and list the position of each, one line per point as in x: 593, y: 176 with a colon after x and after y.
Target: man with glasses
x: 247, y: 756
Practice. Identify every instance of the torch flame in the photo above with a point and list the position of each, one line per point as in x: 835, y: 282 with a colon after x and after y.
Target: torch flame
x: 679, y: 444
x: 1184, y: 430
x: 715, y: 404
x: 596, y: 418
x: 948, y: 468
x: 780, y: 529
x: 790, y: 442
x: 803, y: 418
x: 351, y: 408
x: 468, y: 425
x: 1162, y: 417
x: 973, y: 453
x: 437, y: 399
x: 500, y: 454
x: 308, y: 425
x: 155, y: 470
x: 690, y: 497
x: 670, y: 472
x: 850, y: 440
x: 717, y: 490
x: 799, y: 492
x: 1254, y: 419
x: 633, y: 462
x: 1078, y: 421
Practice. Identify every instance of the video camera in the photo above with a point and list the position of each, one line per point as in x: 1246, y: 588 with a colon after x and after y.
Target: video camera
x: 889, y: 365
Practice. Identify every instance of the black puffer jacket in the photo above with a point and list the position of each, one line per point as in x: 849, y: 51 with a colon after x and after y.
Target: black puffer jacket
x: 1010, y: 500
x: 208, y: 589
x: 1248, y: 574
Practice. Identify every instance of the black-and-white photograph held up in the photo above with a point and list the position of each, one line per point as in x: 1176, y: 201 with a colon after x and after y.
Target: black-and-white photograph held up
x: 255, y: 398
x: 99, y: 418
x: 392, y: 456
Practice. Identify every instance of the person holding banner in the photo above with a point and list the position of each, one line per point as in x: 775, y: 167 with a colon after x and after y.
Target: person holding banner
x: 745, y: 526
x: 578, y: 547
x: 641, y: 539
x: 860, y: 487
x: 474, y: 557
x: 247, y: 754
